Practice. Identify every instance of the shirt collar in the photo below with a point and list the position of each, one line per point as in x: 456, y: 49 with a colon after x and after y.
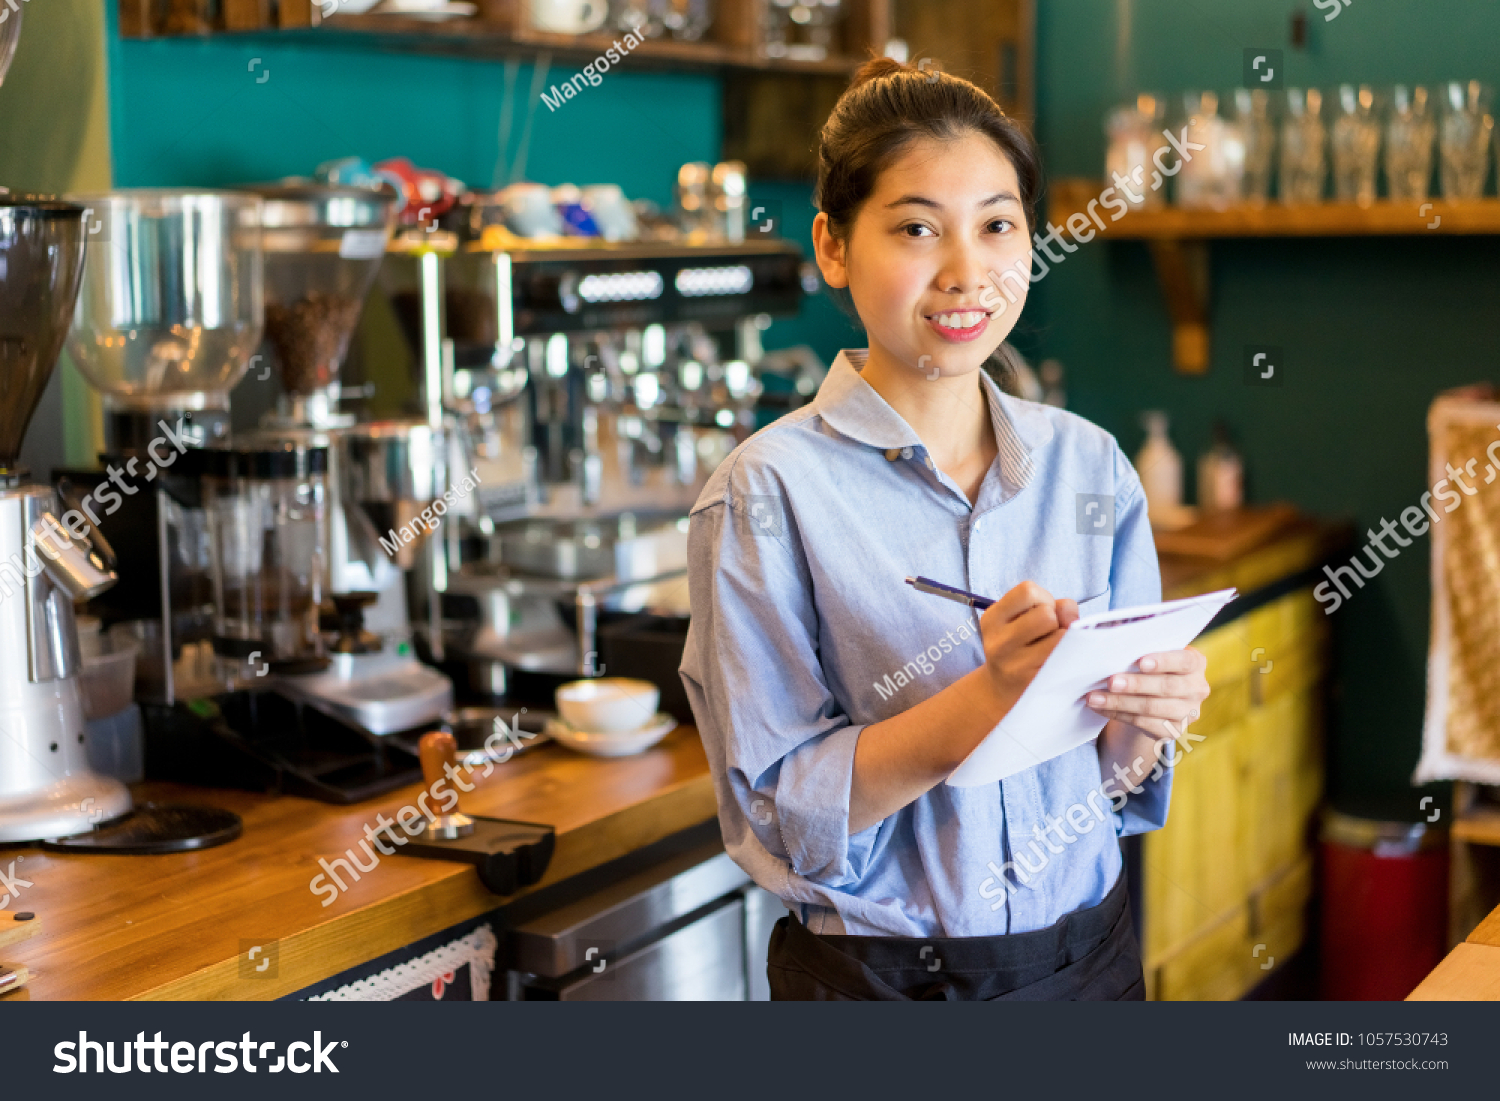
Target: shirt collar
x: 852, y: 407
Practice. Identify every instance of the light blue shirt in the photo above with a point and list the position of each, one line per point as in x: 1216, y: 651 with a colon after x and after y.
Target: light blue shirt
x: 803, y: 632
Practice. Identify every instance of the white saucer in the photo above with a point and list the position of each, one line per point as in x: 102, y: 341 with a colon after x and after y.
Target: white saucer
x: 615, y: 744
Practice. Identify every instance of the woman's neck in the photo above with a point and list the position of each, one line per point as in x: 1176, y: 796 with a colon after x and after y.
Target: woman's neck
x: 950, y: 415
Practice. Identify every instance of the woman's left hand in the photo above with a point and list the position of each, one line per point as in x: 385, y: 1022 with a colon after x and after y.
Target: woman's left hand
x: 1161, y: 699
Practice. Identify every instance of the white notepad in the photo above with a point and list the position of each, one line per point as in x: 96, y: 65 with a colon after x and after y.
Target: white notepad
x: 1051, y: 718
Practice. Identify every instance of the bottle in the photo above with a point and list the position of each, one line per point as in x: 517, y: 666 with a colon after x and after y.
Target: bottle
x: 1221, y: 475
x: 1159, y: 467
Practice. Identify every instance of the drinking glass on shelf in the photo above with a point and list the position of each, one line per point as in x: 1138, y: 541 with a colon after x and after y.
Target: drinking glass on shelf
x: 1356, y: 145
x: 1465, y: 139
x: 1135, y: 136
x: 1252, y: 112
x: 1303, y: 162
x: 1211, y: 180
x: 1409, y: 135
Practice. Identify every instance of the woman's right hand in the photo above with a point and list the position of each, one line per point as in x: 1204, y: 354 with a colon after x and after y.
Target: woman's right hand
x: 1019, y: 631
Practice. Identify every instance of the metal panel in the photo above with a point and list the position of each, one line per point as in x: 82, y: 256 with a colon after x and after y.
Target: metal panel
x: 625, y: 913
x: 762, y: 911
x: 704, y: 961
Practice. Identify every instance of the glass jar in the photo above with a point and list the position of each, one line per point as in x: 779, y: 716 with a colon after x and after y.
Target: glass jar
x: 1135, y: 136
x: 266, y: 512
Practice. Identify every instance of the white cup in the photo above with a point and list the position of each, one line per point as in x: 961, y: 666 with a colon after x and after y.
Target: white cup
x: 568, y: 16
x: 608, y: 705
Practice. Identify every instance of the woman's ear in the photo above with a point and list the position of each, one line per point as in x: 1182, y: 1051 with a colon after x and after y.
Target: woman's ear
x: 829, y: 252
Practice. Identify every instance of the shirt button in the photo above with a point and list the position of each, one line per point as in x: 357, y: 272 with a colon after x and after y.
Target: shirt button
x: 906, y: 452
x: 892, y: 455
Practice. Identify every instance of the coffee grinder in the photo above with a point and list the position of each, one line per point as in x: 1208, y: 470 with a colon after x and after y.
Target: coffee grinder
x: 168, y: 317
x: 323, y: 246
x: 46, y: 787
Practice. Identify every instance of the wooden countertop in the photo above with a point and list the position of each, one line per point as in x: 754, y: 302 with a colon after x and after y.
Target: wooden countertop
x: 171, y: 927
x: 1469, y: 973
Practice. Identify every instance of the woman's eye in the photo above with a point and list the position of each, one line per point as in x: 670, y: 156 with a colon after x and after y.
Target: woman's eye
x: 1001, y: 225
x: 915, y: 229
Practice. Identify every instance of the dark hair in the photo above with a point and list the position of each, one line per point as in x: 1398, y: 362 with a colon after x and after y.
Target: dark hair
x: 887, y: 106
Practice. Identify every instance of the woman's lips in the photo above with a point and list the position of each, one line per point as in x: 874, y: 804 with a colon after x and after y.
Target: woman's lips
x: 958, y: 336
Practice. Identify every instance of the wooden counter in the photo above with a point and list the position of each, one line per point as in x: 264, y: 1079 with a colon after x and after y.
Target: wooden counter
x: 1469, y: 973
x: 1301, y: 545
x: 170, y: 927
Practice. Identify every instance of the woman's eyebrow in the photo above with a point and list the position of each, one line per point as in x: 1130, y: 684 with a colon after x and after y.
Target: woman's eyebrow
x: 921, y: 200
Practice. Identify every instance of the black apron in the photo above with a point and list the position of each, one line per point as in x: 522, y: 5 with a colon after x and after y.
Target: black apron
x: 1088, y: 955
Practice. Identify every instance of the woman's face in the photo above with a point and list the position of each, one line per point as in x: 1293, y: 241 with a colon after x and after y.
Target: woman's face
x: 926, y: 252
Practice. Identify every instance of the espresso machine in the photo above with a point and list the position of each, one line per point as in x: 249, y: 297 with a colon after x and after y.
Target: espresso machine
x: 46, y: 787
x: 631, y: 371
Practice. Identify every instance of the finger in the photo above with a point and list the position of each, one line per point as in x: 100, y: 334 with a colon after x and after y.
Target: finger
x: 1188, y: 686
x: 1032, y: 625
x: 1067, y: 612
x: 1156, y: 707
x: 1174, y: 661
x: 1016, y: 602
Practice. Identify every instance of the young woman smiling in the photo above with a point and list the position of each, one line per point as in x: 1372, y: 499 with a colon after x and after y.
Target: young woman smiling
x: 911, y: 460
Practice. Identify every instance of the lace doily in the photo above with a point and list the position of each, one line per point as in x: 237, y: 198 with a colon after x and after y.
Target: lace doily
x: 477, y: 950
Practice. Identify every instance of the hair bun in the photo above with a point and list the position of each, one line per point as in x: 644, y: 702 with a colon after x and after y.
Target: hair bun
x: 878, y: 67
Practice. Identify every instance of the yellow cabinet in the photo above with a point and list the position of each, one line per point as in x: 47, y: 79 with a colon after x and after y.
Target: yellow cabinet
x: 1226, y: 882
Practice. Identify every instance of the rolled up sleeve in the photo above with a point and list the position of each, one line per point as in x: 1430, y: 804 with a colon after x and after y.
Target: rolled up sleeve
x: 779, y: 744
x: 1135, y: 579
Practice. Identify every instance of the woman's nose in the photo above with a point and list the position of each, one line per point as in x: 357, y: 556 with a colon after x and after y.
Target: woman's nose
x: 963, y: 270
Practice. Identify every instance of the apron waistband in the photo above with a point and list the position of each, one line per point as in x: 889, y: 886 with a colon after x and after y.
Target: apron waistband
x: 1087, y: 954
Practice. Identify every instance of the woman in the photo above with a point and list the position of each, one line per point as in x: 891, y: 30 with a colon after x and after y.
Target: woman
x: 834, y: 700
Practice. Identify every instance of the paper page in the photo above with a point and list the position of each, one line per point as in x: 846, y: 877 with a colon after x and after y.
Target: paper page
x: 1051, y: 718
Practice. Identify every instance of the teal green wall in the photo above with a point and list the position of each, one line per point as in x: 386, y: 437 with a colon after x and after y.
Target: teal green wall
x: 1373, y: 328
x: 192, y: 112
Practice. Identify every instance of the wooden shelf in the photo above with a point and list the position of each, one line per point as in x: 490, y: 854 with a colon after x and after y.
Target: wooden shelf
x: 1178, y: 240
x: 480, y: 39
x: 1479, y: 826
x: 502, y: 30
x: 1382, y: 218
